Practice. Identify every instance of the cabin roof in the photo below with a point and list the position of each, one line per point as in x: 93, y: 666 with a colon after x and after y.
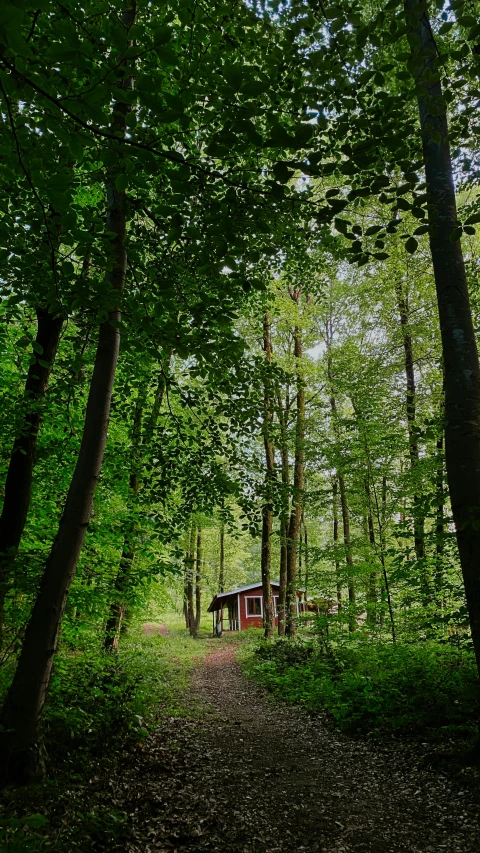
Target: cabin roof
x: 223, y: 595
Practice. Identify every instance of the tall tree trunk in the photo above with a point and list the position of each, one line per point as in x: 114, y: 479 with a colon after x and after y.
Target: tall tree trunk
x: 283, y: 412
x: 460, y: 356
x: 198, y: 583
x: 18, y: 483
x: 267, y: 508
x: 307, y: 562
x: 413, y: 451
x: 21, y: 712
x: 372, y: 576
x: 189, y: 585
x: 298, y: 485
x: 335, y: 544
x: 221, y: 573
x: 439, y: 522
x: 118, y: 605
x: 352, y: 619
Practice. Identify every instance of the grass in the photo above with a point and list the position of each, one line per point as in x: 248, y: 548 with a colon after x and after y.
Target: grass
x: 99, y: 706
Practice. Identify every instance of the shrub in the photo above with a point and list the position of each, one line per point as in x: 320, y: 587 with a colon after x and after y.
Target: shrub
x: 374, y: 687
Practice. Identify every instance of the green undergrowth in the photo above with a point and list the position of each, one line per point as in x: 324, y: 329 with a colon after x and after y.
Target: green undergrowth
x: 404, y: 689
x: 100, y: 705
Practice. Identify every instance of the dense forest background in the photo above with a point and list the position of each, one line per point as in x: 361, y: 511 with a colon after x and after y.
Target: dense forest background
x: 239, y: 317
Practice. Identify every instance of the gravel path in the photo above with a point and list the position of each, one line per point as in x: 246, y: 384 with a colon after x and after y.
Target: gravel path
x: 253, y: 776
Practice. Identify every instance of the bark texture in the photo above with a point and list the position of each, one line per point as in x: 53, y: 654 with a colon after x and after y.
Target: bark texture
x: 459, y: 349
x: 21, y: 713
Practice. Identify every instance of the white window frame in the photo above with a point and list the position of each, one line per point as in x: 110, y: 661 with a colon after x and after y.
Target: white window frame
x: 254, y: 615
x: 275, y: 604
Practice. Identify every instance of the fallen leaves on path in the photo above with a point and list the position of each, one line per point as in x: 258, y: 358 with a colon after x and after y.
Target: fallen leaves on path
x: 251, y: 775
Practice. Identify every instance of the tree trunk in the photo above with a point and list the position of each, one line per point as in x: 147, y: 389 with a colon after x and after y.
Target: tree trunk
x: 307, y: 563
x: 21, y: 712
x: 298, y: 485
x: 198, y: 582
x: 459, y: 349
x: 335, y: 544
x: 418, y: 512
x: 118, y: 605
x: 352, y: 620
x: 189, y: 585
x: 372, y: 577
x: 267, y: 508
x: 18, y: 483
x: 282, y: 592
x: 439, y: 522
x: 221, y: 574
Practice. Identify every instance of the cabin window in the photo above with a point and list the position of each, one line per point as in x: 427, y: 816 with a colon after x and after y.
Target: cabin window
x: 275, y: 605
x: 254, y: 606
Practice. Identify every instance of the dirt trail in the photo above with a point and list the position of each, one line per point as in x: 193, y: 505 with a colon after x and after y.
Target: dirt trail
x: 254, y: 776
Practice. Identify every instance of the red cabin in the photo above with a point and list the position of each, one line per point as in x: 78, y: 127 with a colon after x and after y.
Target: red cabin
x: 243, y: 607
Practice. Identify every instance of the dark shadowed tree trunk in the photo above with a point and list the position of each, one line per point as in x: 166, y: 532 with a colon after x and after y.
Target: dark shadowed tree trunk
x: 18, y: 483
x: 267, y: 508
x: 459, y: 349
x: 298, y: 485
x: 22, y: 709
x: 439, y: 522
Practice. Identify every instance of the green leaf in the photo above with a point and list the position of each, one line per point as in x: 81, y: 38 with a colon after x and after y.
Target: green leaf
x: 456, y: 234
x: 162, y: 35
x: 471, y: 220
x: 34, y: 821
x: 121, y: 183
x: 341, y: 225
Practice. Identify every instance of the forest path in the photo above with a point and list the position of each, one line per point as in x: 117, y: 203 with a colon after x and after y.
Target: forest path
x: 251, y: 775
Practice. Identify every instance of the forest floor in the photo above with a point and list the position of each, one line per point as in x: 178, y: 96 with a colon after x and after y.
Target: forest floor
x: 229, y: 768
x: 251, y: 775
